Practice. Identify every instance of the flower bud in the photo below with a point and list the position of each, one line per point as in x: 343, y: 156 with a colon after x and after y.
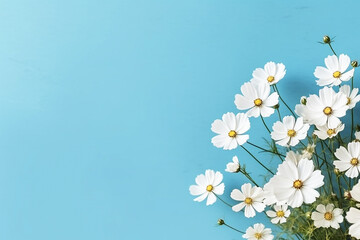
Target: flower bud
x: 220, y: 222
x: 308, y: 214
x: 354, y: 63
x: 347, y: 195
x: 326, y: 39
x: 303, y: 100
x: 336, y: 171
x: 314, y: 136
x: 357, y: 127
x: 276, y: 106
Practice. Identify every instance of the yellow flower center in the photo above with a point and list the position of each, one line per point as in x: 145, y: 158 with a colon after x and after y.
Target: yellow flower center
x: 258, y: 102
x: 209, y: 188
x: 336, y: 74
x: 248, y: 200
x: 258, y: 235
x: 232, y: 134
x: 270, y: 79
x: 280, y: 213
x: 328, y: 216
x: 291, y: 133
x: 354, y: 161
x: 349, y: 101
x: 327, y: 110
x: 297, y: 184
x: 330, y: 131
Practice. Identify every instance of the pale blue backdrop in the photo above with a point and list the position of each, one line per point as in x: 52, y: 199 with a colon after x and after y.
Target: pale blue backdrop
x: 106, y: 107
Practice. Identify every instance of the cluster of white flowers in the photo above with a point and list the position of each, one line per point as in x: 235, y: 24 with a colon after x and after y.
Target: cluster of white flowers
x: 298, y: 181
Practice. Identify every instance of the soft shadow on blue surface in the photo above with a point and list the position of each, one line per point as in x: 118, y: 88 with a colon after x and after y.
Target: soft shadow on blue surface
x: 106, y: 107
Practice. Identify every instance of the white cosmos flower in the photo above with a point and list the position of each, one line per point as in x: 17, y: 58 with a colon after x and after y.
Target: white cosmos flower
x: 352, y: 97
x: 293, y: 157
x: 258, y: 232
x: 207, y: 186
x: 250, y: 197
x: 325, y: 132
x: 256, y: 98
x: 234, y: 166
x: 271, y: 74
x: 355, y: 192
x: 308, y: 151
x: 327, y: 216
x: 296, y: 184
x: 302, y: 111
x: 353, y: 216
x: 280, y: 214
x: 328, y: 107
x: 230, y: 130
x: 289, y: 131
x: 335, y: 72
x: 349, y: 159
x: 269, y: 196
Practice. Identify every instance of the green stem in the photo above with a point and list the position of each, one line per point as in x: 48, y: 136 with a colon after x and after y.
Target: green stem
x: 278, y: 111
x: 234, y: 228
x: 327, y: 166
x: 340, y: 193
x: 277, y: 90
x: 267, y: 128
x: 257, y: 160
x: 222, y: 200
x: 265, y: 150
x: 247, y: 175
x: 346, y: 182
x: 352, y: 125
x: 332, y: 49
x: 262, y: 119
x: 341, y: 142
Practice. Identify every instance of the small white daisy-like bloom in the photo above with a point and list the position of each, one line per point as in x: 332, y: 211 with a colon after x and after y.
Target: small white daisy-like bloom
x: 256, y: 98
x: 357, y: 135
x: 296, y: 184
x: 230, y: 129
x: 308, y: 151
x: 258, y: 232
x: 327, y: 216
x: 271, y: 74
x: 335, y: 72
x: 355, y: 192
x: 233, y: 166
x: 326, y: 108
x: 324, y: 132
x: 251, y: 199
x: 352, y: 97
x: 349, y: 159
x: 207, y: 186
x: 353, y: 216
x: 289, y: 131
x: 279, y: 215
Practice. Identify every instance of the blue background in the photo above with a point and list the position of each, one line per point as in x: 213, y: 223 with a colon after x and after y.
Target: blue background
x: 106, y: 107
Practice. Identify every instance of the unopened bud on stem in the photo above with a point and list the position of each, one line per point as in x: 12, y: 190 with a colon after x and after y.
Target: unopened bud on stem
x: 354, y: 63
x: 220, y: 222
x: 326, y: 39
